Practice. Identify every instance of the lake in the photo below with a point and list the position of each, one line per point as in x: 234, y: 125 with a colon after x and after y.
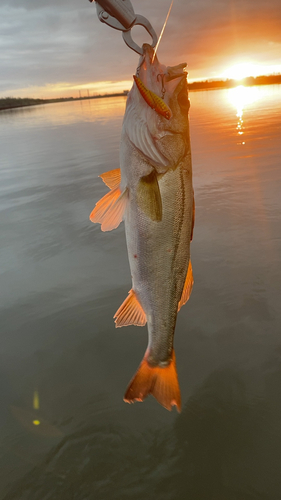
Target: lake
x: 65, y: 432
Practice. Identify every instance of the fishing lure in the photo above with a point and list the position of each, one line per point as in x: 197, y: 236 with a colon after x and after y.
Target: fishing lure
x: 153, y: 100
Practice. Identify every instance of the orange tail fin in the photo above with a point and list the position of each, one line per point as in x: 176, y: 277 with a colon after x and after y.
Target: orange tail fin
x: 162, y: 383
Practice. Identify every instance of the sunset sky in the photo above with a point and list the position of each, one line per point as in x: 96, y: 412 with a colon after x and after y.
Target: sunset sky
x: 56, y: 48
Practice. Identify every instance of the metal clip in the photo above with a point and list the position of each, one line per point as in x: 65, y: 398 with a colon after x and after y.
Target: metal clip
x: 127, y: 37
x: 119, y: 14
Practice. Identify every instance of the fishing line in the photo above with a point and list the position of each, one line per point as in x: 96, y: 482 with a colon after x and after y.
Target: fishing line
x: 162, y: 31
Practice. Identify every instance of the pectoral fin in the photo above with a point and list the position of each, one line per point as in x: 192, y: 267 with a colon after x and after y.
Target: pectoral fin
x: 130, y: 312
x: 110, y: 209
x: 149, y: 197
x: 187, y: 289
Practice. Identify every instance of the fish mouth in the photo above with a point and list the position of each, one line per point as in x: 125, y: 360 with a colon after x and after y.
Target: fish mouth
x: 177, y: 71
x: 170, y: 72
x: 149, y: 53
x: 157, y: 77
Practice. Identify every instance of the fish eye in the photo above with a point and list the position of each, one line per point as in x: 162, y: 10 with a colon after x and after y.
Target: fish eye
x: 183, y: 101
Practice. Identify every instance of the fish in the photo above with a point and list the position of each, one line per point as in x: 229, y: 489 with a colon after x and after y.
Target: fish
x: 152, y: 192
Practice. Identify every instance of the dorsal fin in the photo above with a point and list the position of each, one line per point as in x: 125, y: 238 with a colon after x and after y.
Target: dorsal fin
x: 110, y: 209
x: 112, y: 178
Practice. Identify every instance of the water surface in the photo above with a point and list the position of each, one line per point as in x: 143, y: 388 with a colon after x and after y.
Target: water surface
x: 64, y: 430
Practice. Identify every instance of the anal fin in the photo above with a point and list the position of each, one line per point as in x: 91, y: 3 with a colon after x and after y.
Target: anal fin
x: 110, y: 209
x: 130, y: 312
x: 187, y: 289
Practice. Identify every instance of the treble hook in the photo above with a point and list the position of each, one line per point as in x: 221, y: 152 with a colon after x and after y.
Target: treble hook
x: 163, y: 90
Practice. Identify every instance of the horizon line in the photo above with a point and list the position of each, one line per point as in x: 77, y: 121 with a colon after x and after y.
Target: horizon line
x: 213, y: 83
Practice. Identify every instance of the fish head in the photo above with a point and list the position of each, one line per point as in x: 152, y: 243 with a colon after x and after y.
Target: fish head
x: 167, y: 121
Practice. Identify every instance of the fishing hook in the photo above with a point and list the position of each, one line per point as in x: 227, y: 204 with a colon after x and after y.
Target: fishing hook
x: 163, y: 90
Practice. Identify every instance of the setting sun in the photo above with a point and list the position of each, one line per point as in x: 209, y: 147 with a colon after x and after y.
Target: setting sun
x: 242, y: 70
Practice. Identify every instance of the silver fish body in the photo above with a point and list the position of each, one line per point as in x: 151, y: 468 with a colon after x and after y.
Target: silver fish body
x: 159, y: 253
x: 155, y: 199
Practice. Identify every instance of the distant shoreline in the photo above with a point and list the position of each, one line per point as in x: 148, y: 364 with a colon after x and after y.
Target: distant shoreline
x: 18, y: 102
x: 250, y: 81
x: 7, y: 103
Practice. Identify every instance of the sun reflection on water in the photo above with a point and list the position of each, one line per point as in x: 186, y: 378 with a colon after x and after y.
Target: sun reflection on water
x: 241, y: 97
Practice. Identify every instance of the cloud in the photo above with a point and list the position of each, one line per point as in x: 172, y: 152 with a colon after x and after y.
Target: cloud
x: 49, y: 45
x: 63, y: 40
